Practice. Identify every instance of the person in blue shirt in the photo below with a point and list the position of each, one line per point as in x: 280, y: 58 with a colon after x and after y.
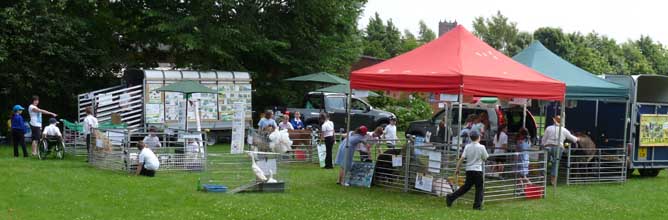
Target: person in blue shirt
x: 267, y: 121
x: 18, y: 131
x: 296, y: 122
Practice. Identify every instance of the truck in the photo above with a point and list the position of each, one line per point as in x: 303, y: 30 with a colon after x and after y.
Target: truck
x: 137, y: 103
x: 647, y: 147
x: 510, y: 116
x: 361, y: 113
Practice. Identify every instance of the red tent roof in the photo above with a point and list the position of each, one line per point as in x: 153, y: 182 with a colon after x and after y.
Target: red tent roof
x: 458, y: 59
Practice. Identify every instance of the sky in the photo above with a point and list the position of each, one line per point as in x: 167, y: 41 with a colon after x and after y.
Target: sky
x: 621, y: 20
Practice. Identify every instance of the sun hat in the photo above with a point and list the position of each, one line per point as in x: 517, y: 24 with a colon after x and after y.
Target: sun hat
x: 53, y: 121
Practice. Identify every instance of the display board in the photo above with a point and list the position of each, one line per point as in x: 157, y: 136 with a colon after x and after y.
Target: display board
x: 360, y: 174
x: 228, y: 94
x: 153, y: 110
x: 653, y: 130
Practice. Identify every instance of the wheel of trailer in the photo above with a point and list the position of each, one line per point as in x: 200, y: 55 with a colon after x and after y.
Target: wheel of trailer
x: 60, y: 151
x: 649, y: 172
x: 211, y: 139
x: 41, y: 150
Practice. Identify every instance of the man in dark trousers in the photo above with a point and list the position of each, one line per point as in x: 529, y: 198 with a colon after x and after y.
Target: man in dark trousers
x: 475, y: 155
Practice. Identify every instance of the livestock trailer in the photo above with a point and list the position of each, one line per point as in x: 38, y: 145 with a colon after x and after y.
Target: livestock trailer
x: 137, y: 103
x: 648, y: 133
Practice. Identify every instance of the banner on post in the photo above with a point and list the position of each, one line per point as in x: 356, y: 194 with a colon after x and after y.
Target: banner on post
x: 238, y: 128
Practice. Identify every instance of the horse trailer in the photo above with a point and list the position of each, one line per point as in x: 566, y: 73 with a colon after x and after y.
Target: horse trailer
x: 138, y: 105
x: 648, y: 124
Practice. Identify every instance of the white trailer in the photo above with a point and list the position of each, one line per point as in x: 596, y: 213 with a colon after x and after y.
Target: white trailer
x: 140, y: 106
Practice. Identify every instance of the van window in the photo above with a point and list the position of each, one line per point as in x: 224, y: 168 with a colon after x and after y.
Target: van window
x: 455, y: 113
x: 336, y: 103
x: 314, y: 102
x: 358, y: 105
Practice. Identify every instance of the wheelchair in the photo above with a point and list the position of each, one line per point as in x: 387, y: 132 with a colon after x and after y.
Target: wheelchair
x: 51, y: 145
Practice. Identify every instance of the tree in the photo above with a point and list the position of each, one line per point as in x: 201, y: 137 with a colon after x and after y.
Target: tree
x: 408, y: 42
x: 61, y: 48
x: 501, y: 34
x: 425, y: 35
x: 555, y: 40
x: 655, y: 53
x: 381, y: 40
x: 637, y: 63
x: 392, y: 41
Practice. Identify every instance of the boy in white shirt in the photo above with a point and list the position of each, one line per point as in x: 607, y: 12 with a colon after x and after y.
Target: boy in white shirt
x: 475, y: 155
x: 89, y: 123
x: 390, y: 133
x: 151, y: 140
x: 52, y: 129
x: 147, y: 162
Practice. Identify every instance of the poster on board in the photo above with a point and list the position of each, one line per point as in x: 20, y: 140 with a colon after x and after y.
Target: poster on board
x: 653, y: 130
x: 360, y: 174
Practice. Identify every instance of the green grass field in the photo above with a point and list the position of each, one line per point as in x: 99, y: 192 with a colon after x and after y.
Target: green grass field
x: 70, y: 189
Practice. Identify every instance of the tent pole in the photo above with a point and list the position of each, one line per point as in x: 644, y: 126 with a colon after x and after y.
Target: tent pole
x: 596, y: 118
x: 624, y: 144
x: 348, y: 148
x: 524, y: 115
x: 459, y: 138
x: 559, y: 145
x: 186, y: 115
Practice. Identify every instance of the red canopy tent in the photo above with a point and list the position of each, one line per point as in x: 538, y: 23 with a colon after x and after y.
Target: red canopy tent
x: 458, y: 63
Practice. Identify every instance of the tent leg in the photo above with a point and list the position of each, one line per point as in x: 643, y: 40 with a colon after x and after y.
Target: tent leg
x: 348, y: 148
x: 524, y: 115
x: 459, y: 116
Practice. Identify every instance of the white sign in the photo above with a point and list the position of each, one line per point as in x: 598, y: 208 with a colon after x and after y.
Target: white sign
x: 322, y: 153
x: 434, y: 161
x: 518, y: 101
x: 104, y: 99
x: 360, y: 93
x: 423, y: 182
x: 448, y: 97
x: 124, y: 101
x: 238, y: 128
x: 396, y: 160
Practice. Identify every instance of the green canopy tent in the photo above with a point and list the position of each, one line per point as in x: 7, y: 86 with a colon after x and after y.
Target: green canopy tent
x: 321, y: 77
x: 187, y: 88
x: 580, y: 84
x: 342, y: 88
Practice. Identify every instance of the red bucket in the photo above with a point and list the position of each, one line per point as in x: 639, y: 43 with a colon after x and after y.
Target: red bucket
x: 300, y: 155
x: 532, y: 191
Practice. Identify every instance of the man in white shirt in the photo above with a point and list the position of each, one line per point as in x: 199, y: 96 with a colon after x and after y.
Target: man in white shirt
x: 475, y: 155
x: 36, y: 122
x: 89, y: 123
x: 147, y: 162
x: 390, y: 133
x: 554, y: 143
x: 327, y: 133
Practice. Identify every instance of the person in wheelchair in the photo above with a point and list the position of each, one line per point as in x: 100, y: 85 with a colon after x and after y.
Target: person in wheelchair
x: 52, y: 133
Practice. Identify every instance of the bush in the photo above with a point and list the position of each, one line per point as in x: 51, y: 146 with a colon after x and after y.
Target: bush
x: 408, y: 110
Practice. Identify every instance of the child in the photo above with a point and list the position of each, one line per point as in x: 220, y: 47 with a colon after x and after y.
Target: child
x: 151, y: 140
x: 285, y: 122
x: 475, y: 155
x: 52, y: 130
x: 89, y: 123
x: 390, y: 133
x: 18, y: 131
x: 147, y: 162
x: 500, y: 146
x: 523, y: 145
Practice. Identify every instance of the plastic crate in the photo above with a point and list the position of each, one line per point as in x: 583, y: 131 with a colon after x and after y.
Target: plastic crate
x: 214, y: 188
